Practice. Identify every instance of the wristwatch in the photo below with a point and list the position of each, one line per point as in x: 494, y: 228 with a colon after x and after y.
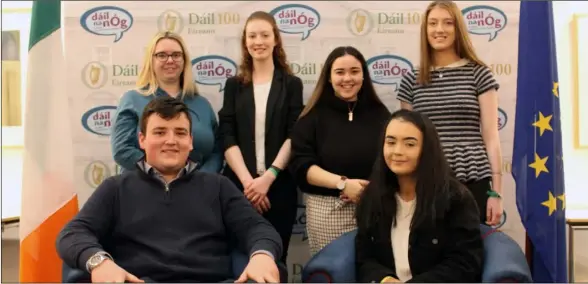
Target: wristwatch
x: 342, y: 183
x: 96, y: 260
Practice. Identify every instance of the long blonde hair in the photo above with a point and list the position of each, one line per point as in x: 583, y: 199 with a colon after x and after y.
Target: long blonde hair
x: 147, y: 81
x: 463, y: 45
x: 246, y: 67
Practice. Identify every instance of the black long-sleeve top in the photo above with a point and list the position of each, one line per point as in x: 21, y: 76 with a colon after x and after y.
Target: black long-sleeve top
x: 325, y: 137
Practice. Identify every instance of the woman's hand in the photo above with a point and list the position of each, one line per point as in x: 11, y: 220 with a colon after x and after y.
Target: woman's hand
x: 353, y: 190
x: 494, y: 211
x: 257, y: 190
x: 263, y: 205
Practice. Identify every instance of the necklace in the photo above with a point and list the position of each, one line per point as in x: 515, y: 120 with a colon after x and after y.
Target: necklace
x: 350, y: 115
x: 439, y: 70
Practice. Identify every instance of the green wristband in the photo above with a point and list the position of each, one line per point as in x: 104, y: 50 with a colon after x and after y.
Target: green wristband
x: 493, y: 193
x: 273, y: 171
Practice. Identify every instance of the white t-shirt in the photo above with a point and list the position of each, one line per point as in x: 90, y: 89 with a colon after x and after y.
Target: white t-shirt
x: 400, y: 238
x: 261, y: 94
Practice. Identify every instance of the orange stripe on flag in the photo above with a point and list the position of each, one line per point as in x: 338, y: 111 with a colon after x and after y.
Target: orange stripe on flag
x: 39, y: 261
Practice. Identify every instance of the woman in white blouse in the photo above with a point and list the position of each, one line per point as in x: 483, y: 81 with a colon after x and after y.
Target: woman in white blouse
x: 416, y: 221
x: 260, y: 107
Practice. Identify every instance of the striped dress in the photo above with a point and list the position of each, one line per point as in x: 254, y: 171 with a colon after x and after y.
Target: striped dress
x: 451, y: 102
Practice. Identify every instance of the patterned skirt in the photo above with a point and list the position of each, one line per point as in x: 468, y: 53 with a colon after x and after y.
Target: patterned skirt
x: 327, y: 218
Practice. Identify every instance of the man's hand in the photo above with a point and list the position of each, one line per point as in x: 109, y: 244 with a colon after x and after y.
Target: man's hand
x: 108, y: 271
x: 390, y: 279
x: 261, y: 269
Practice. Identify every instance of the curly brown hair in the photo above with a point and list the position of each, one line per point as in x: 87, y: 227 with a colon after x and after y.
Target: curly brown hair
x: 278, y: 54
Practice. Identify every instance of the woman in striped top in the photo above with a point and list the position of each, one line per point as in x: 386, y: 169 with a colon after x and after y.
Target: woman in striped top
x: 458, y: 92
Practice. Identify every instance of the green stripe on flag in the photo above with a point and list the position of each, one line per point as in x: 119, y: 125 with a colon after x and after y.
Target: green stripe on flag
x: 45, y: 19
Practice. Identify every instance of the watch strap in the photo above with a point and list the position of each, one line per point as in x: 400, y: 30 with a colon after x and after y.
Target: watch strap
x: 102, y: 254
x: 342, y: 183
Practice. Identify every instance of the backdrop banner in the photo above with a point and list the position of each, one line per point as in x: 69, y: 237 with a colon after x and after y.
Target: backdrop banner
x: 105, y: 43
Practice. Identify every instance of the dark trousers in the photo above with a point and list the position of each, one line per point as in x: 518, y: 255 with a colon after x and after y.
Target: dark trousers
x: 479, y: 189
x: 283, y: 198
x: 282, y: 215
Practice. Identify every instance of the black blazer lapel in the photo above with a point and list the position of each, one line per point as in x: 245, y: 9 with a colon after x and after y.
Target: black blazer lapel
x: 249, y: 107
x: 275, y: 98
x: 384, y: 227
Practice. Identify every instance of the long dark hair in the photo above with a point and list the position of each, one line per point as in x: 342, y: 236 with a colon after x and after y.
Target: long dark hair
x: 435, y: 185
x: 324, y: 88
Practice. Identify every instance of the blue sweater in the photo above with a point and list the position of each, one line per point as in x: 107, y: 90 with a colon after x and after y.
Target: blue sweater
x: 124, y: 138
x: 183, y: 235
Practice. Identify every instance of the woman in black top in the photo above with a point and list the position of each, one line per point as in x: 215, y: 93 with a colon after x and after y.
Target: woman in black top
x: 416, y: 221
x: 334, y: 145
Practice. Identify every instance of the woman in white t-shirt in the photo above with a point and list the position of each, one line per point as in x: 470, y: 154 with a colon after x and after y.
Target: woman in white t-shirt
x: 416, y: 221
x: 261, y: 104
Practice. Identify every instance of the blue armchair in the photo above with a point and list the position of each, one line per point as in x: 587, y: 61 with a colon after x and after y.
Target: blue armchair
x: 504, y: 261
x: 239, y: 262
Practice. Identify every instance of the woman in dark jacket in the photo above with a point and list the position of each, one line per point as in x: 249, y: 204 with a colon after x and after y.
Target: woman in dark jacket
x: 416, y: 221
x: 260, y: 107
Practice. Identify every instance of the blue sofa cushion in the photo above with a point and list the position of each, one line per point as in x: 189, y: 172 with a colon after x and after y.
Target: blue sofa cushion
x: 503, y: 259
x: 335, y: 263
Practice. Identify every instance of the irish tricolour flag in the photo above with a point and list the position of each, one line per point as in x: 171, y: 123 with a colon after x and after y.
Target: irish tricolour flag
x: 48, y: 196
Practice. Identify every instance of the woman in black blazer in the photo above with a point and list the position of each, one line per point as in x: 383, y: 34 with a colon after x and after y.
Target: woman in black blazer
x: 416, y: 221
x: 261, y: 105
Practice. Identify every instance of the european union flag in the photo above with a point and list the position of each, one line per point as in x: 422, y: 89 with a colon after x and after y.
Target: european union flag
x: 537, y: 155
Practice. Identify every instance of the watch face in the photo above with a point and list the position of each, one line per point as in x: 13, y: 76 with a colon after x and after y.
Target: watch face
x: 97, y: 259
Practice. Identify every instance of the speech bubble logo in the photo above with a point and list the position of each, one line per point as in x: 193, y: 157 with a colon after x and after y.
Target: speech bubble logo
x: 484, y: 20
x: 99, y: 120
x: 213, y: 70
x: 296, y: 19
x: 107, y: 21
x: 502, y: 119
x: 388, y: 69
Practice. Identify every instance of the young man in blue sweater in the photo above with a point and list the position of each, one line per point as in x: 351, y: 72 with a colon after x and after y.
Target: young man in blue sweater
x: 165, y: 221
